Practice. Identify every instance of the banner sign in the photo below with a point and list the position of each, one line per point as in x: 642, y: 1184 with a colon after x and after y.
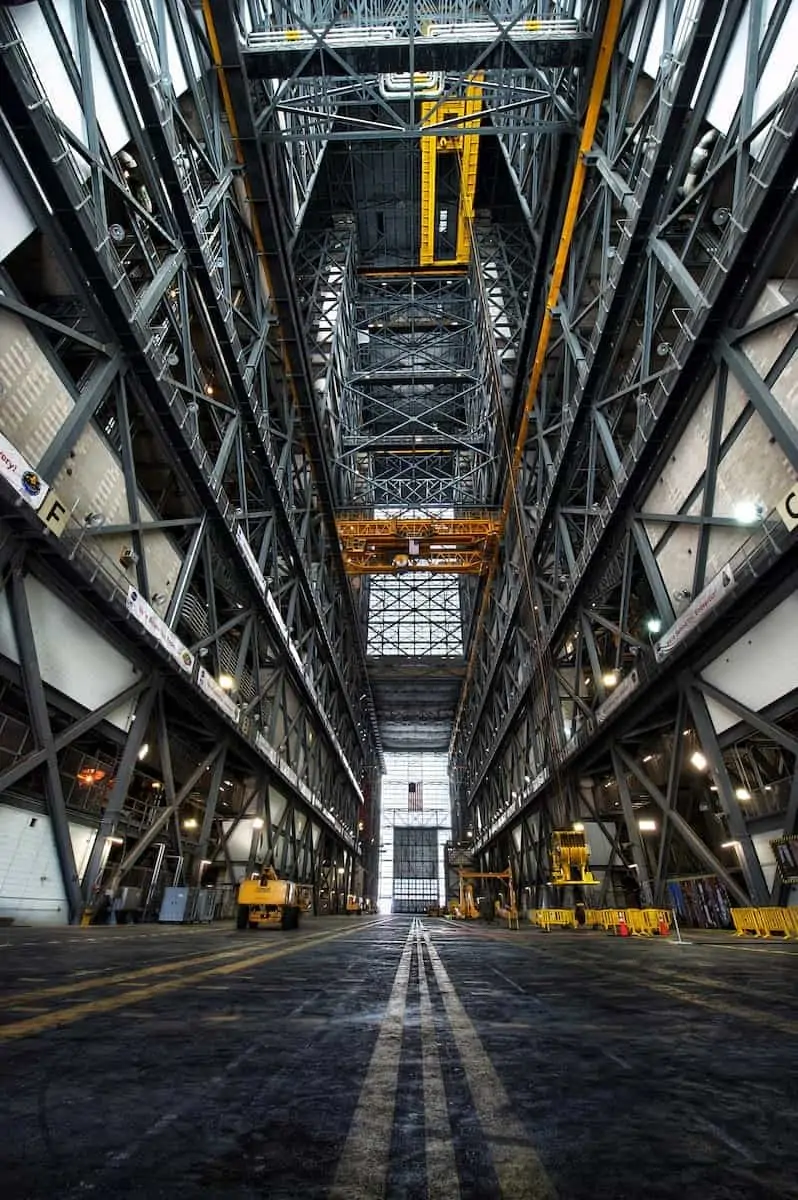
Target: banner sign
x: 157, y: 628
x: 250, y: 560
x: 208, y: 685
x: 617, y: 697
x: 694, y: 614
x: 26, y: 482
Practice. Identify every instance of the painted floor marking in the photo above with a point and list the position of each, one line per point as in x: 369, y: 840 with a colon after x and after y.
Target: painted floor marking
x: 442, y: 1180
x: 520, y: 1172
x: 363, y: 1166
x: 78, y: 1012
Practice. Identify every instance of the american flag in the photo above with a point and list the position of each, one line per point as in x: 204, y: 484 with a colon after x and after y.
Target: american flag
x: 415, y: 797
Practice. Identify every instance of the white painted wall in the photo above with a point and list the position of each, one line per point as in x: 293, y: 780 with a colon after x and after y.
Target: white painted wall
x: 31, y: 889
x: 17, y: 222
x: 760, y: 667
x: 33, y: 406
x: 73, y: 657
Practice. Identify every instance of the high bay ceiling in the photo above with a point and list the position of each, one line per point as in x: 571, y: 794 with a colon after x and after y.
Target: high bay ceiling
x: 410, y: 145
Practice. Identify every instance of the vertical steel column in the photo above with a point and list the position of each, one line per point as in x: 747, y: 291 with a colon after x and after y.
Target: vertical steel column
x: 638, y: 852
x: 42, y: 731
x: 116, y: 800
x: 749, y: 859
x: 208, y: 816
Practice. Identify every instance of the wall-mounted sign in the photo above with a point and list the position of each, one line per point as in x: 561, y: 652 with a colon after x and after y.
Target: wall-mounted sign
x: 788, y: 508
x: 17, y: 471
x: 693, y: 615
x: 617, y: 697
x: 146, y: 616
x: 213, y: 691
x: 250, y: 560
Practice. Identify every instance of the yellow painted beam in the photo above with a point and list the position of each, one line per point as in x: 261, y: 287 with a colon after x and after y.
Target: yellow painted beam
x: 609, y: 37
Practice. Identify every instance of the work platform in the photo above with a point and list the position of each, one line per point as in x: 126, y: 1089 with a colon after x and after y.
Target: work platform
x: 398, y: 1058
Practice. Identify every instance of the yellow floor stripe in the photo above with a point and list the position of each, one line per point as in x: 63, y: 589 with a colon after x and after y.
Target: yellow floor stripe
x: 105, y: 1004
x: 101, y: 981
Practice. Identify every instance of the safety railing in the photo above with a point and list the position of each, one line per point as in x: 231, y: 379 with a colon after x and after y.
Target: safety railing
x: 765, y: 922
x: 625, y: 922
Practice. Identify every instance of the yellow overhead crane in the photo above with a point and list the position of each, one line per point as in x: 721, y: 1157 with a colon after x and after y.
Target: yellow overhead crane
x: 388, y: 546
x: 458, y: 116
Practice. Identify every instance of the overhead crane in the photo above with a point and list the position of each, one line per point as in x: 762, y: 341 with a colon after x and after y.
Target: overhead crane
x: 390, y: 545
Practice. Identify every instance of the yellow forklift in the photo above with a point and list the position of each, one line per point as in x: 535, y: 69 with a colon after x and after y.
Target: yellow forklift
x: 266, y: 900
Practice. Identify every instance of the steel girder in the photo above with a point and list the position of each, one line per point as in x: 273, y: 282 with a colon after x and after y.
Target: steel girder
x: 168, y: 331
x: 658, y: 268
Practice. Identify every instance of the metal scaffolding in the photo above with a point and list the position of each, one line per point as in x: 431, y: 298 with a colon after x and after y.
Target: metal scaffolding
x: 399, y: 376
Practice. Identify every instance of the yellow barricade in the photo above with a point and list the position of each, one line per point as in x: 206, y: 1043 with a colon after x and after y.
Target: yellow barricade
x: 647, y: 922
x: 764, y: 922
x: 545, y: 918
x: 594, y: 917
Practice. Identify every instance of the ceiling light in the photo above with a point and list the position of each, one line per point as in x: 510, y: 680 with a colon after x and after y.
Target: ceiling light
x: 144, y: 751
x: 742, y: 793
x: 610, y: 679
x: 226, y: 682
x: 115, y: 841
x: 728, y: 845
x: 258, y: 823
x: 647, y: 757
x: 190, y: 823
x: 578, y: 827
x: 654, y: 625
x: 698, y: 760
x: 646, y: 825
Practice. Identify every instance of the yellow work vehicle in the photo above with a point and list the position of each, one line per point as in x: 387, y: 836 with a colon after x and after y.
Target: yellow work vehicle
x: 354, y: 905
x: 268, y: 900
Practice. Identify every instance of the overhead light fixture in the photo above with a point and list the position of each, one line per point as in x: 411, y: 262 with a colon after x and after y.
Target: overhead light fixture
x: 742, y: 793
x: 647, y: 757
x: 729, y: 845
x: 654, y: 625
x: 226, y: 682
x: 698, y: 760
x: 90, y: 775
x: 578, y: 827
x: 610, y: 679
x: 258, y: 823
x: 748, y: 512
x: 115, y: 841
x: 144, y: 751
x: 647, y: 825
x: 190, y: 823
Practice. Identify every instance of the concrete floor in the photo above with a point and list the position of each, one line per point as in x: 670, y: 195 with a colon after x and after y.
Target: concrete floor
x: 375, y: 1057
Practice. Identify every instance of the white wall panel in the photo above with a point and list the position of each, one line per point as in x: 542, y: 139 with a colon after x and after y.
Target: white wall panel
x: 73, y: 657
x: 31, y: 888
x: 17, y: 222
x: 760, y: 667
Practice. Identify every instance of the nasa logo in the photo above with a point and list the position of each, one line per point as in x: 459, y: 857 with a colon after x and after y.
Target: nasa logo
x: 31, y: 483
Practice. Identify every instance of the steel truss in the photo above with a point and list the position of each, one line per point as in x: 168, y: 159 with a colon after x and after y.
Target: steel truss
x: 160, y: 349
x: 664, y: 326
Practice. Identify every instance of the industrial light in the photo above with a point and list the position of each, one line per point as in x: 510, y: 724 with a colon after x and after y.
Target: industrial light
x: 209, y: 389
x: 742, y: 793
x: 90, y: 775
x: 646, y: 825
x: 698, y: 760
x: 647, y: 757
x: 258, y: 823
x: 578, y: 827
x: 144, y: 751
x: 729, y: 845
x: 610, y: 679
x: 226, y: 682
x: 527, y: 779
x: 115, y: 841
x: 190, y: 823
x: 748, y: 512
x: 654, y: 625
x: 341, y: 870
